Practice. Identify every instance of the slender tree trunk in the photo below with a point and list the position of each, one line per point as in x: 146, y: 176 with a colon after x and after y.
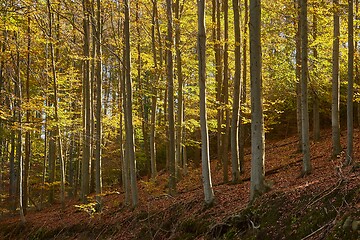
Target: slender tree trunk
x: 129, y: 128
x: 18, y: 107
x: 27, y: 133
x: 257, y: 185
x: 93, y: 73
x: 225, y: 93
x: 205, y: 158
x: 170, y: 78
x: 298, y: 73
x: 304, y: 89
x: 55, y: 88
x: 12, y: 187
x: 180, y: 109
x: 235, y: 166
x: 356, y: 58
x: 98, y: 116
x: 316, y: 108
x: 242, y: 129
x: 218, y: 77
x: 154, y: 94
x: 335, y: 106
x: 86, y: 156
x: 350, y: 92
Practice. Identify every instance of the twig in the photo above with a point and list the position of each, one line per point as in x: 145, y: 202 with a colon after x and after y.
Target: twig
x: 318, y: 230
x: 327, y: 194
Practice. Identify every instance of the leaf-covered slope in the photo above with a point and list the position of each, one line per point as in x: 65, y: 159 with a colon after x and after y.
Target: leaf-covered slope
x: 323, y: 204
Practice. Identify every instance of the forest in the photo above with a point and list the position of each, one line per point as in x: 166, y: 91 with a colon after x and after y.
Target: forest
x: 146, y: 119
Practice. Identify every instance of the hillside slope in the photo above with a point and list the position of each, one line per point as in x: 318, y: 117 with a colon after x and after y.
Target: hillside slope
x: 323, y: 205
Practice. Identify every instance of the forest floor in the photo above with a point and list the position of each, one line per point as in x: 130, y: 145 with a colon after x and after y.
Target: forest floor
x: 322, y: 205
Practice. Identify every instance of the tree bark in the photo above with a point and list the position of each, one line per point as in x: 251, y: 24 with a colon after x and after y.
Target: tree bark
x: 225, y: 93
x: 298, y: 73
x: 304, y: 89
x: 86, y: 156
x: 27, y: 133
x: 170, y: 78
x: 316, y: 107
x: 98, y: 116
x: 235, y: 166
x: 154, y: 93
x: 205, y: 158
x: 257, y: 185
x: 335, y: 105
x: 129, y: 128
x: 55, y: 89
x: 180, y: 109
x: 350, y: 91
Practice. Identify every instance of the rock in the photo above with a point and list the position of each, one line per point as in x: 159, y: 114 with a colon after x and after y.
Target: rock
x: 355, y: 225
x: 347, y: 222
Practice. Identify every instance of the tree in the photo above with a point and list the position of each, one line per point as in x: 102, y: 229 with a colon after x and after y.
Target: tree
x: 129, y: 128
x: 154, y: 21
x: 180, y: 109
x: 170, y: 81
x: 98, y: 115
x: 350, y: 91
x: 304, y: 89
x: 316, y: 114
x: 236, y: 97
x: 257, y: 119
x: 335, y: 104
x: 205, y: 158
x: 225, y: 93
x: 86, y: 156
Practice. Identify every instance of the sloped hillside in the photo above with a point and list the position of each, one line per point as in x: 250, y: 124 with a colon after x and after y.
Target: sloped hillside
x: 323, y: 205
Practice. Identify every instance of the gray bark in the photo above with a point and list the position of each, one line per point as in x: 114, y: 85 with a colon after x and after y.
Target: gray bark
x: 129, y: 128
x: 98, y: 116
x: 235, y: 166
x: 86, y: 156
x: 335, y: 105
x: 170, y: 78
x: 350, y: 91
x: 304, y: 89
x: 257, y: 185
x: 205, y: 158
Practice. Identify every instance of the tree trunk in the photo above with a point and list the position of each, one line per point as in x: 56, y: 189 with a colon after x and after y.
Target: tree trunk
x: 225, y: 93
x: 205, y: 158
x: 27, y: 133
x: 170, y: 78
x: 55, y: 89
x: 86, y: 156
x: 316, y: 108
x: 129, y: 128
x: 98, y: 117
x: 335, y: 106
x: 154, y: 94
x: 180, y: 109
x: 298, y: 73
x: 304, y: 90
x: 235, y: 166
x: 218, y: 77
x: 257, y: 119
x: 18, y: 116
x: 350, y: 92
x: 242, y: 129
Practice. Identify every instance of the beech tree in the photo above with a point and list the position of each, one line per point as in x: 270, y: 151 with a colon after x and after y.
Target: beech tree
x: 306, y: 169
x: 236, y: 97
x: 170, y: 81
x: 350, y: 91
x: 205, y: 158
x: 257, y: 119
x: 335, y: 104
